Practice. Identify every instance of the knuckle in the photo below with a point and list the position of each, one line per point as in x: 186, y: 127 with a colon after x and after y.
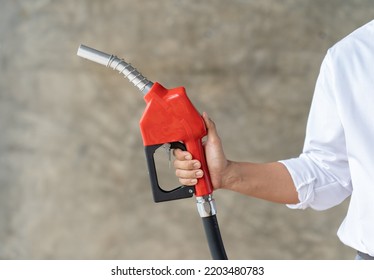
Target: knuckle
x: 195, y: 164
x: 186, y: 174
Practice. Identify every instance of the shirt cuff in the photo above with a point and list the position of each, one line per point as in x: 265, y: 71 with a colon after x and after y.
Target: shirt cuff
x: 317, y: 186
x: 303, y: 181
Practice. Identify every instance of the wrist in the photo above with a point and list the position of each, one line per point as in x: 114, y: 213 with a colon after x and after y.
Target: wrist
x: 230, y: 176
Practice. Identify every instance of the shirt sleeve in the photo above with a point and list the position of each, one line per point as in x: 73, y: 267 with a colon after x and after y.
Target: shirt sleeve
x: 321, y: 173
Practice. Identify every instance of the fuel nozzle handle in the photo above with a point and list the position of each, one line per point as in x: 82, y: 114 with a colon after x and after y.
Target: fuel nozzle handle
x: 112, y: 61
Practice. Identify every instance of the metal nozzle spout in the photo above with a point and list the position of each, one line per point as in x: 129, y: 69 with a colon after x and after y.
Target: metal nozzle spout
x: 112, y: 61
x: 93, y: 55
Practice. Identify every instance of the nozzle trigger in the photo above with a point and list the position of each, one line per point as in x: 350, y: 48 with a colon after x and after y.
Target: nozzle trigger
x: 168, y: 149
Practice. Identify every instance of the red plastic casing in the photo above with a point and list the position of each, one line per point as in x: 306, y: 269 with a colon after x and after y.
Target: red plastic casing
x: 170, y: 116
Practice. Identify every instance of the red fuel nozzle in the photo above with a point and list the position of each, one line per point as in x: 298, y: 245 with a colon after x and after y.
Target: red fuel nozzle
x: 169, y: 117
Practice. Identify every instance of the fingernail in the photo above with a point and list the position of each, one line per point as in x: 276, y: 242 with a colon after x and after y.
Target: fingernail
x: 188, y: 157
x: 196, y: 165
x: 199, y: 173
x: 193, y: 181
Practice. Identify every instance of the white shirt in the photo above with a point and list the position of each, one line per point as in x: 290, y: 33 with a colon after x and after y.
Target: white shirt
x: 338, y: 155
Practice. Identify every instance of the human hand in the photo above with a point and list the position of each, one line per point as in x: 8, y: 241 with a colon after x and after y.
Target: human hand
x: 188, y: 170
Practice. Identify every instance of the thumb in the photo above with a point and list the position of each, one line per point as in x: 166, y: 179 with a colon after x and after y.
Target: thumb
x: 211, y: 127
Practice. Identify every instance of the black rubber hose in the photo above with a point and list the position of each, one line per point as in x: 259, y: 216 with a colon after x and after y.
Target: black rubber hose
x: 214, y: 238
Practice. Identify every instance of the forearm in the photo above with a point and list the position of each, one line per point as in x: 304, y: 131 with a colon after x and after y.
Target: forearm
x: 268, y: 181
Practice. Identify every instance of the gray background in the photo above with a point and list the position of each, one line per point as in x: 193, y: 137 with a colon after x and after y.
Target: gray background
x: 73, y: 179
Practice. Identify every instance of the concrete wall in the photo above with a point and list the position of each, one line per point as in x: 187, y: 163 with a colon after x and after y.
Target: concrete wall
x: 73, y: 179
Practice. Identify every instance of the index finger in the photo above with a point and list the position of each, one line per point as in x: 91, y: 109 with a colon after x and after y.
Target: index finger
x: 182, y: 155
